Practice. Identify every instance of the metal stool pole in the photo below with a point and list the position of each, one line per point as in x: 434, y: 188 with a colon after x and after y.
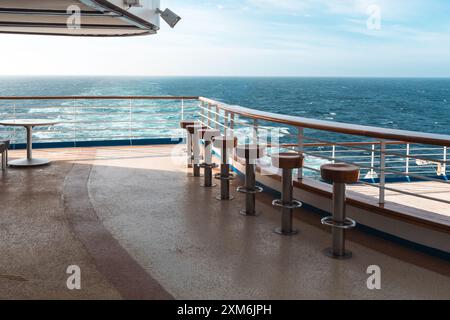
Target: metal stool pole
x: 184, y: 125
x: 196, y: 153
x: 339, y: 174
x: 225, y: 183
x: 194, y: 132
x: 250, y: 198
x: 208, y: 165
x: 286, y: 221
x: 225, y: 143
x: 4, y: 150
x: 287, y: 162
x: 189, y: 150
x: 338, y: 217
x: 250, y: 153
x: 208, y: 135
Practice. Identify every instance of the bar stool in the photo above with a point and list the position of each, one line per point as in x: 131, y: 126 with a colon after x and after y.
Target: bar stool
x: 208, y: 135
x: 287, y: 162
x: 183, y: 125
x: 339, y: 174
x: 193, y: 130
x: 224, y: 144
x: 250, y: 153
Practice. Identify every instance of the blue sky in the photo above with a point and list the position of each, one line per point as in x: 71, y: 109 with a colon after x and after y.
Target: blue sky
x: 257, y: 38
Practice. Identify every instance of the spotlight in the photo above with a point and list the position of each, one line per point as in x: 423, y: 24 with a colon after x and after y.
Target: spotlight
x: 169, y: 17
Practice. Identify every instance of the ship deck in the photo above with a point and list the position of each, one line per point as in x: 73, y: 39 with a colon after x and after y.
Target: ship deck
x: 140, y: 228
x: 424, y: 188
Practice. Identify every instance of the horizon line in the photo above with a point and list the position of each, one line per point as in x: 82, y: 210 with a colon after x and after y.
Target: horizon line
x: 228, y: 76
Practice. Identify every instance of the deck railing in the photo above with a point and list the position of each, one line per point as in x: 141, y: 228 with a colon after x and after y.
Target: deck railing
x: 389, y: 156
x: 384, y: 155
x: 97, y: 119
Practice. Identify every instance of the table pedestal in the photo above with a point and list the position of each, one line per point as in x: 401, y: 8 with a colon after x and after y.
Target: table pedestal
x: 29, y: 161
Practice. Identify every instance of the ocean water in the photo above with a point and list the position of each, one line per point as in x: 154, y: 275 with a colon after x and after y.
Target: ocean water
x: 409, y: 104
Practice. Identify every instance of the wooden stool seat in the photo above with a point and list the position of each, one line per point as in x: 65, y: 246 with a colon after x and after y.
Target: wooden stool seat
x: 185, y: 123
x: 250, y: 152
x: 225, y: 142
x: 340, y: 173
x: 208, y: 134
x: 193, y: 127
x: 287, y: 160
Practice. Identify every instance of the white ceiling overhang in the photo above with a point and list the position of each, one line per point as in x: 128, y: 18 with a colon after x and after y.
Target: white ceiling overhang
x: 96, y: 17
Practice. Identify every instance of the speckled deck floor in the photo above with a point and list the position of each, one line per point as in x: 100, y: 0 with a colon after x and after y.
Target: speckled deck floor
x: 139, y: 227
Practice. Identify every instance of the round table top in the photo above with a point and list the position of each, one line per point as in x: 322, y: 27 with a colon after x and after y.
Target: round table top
x: 28, y: 122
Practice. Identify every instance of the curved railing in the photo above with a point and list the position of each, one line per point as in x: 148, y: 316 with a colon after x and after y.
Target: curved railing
x: 387, y: 157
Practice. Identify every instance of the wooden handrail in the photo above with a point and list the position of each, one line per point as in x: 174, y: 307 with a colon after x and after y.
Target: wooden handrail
x: 338, y: 127
x: 343, y: 144
x: 99, y: 98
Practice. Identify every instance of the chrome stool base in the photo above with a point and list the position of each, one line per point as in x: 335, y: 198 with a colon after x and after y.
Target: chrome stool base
x: 191, y: 175
x: 219, y: 198
x: 208, y: 186
x: 252, y: 214
x: 329, y: 253
x: 225, y: 177
x: 208, y: 174
x: 283, y: 233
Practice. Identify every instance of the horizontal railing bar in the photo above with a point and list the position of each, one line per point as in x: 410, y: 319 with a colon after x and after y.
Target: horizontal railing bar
x: 67, y: 114
x: 410, y: 174
x: 99, y: 98
x: 391, y: 189
x: 311, y: 168
x: 212, y: 120
x: 387, y: 153
x: 417, y: 195
x: 124, y: 137
x: 78, y: 107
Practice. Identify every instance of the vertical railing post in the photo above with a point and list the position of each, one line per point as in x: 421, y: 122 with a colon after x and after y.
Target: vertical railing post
x: 444, y: 165
x: 300, y: 142
x: 372, y: 162
x: 333, y: 154
x: 130, y: 132
x: 217, y: 118
x: 381, y: 197
x: 255, y: 131
x: 232, y: 115
x: 408, y: 151
x: 14, y: 127
x: 209, y: 115
x: 182, y: 109
x: 226, y: 123
x: 74, y: 111
x: 202, y: 111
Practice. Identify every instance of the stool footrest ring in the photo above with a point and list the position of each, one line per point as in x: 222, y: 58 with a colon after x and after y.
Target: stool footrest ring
x: 293, y: 205
x: 347, y: 224
x: 244, y: 189
x: 219, y: 176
